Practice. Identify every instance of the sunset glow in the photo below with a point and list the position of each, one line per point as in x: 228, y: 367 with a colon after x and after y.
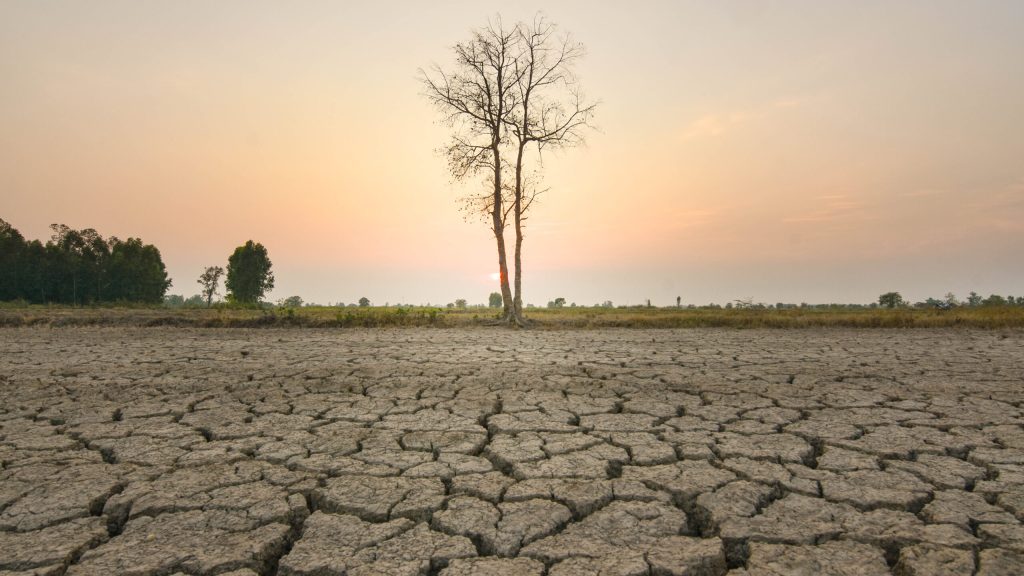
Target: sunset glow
x: 797, y: 151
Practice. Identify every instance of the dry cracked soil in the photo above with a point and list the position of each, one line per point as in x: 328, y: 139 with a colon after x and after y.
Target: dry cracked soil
x: 512, y: 453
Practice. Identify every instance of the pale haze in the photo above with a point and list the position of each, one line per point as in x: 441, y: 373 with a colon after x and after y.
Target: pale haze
x: 780, y: 151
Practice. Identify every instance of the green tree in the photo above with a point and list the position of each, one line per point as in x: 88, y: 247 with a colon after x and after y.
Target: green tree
x: 64, y: 254
x: 890, y: 300
x: 994, y: 300
x: 364, y: 302
x: 137, y: 272
x: 291, y: 302
x: 210, y: 280
x: 79, y: 267
x: 195, y: 301
x: 249, y: 276
x: 12, y: 259
x: 974, y: 299
x: 460, y: 303
x: 80, y: 264
x: 494, y: 300
x: 174, y: 300
x: 96, y: 257
x: 34, y: 271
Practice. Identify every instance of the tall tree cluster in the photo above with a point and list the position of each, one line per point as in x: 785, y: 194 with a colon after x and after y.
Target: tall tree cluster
x: 511, y: 95
x: 79, y: 267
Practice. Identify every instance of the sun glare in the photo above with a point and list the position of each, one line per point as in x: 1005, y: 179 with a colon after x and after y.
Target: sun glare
x: 495, y: 276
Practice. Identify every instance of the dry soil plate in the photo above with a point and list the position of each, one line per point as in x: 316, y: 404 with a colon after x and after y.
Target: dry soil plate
x: 457, y: 452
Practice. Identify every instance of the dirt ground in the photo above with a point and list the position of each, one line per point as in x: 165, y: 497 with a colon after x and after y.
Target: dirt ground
x: 478, y: 451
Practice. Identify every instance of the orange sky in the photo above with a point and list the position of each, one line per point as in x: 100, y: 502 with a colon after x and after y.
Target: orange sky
x: 783, y: 151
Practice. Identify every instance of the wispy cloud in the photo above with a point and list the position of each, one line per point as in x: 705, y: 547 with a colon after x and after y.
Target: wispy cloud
x: 713, y: 125
x: 922, y: 193
x: 693, y: 218
x: 833, y: 207
x: 718, y: 123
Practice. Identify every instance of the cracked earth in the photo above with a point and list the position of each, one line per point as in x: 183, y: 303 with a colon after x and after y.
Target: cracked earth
x: 460, y: 452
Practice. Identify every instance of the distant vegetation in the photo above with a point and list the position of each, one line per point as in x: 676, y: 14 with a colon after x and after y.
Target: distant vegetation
x: 124, y: 283
x: 949, y: 301
x: 579, y: 317
x: 79, y: 267
x: 248, y: 279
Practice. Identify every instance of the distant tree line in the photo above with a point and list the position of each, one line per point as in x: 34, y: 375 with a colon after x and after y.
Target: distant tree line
x: 79, y: 267
x: 895, y: 300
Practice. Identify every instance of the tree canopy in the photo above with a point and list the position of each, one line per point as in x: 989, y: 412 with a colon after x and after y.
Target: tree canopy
x: 890, y: 300
x: 210, y: 280
x: 79, y: 267
x: 249, y: 276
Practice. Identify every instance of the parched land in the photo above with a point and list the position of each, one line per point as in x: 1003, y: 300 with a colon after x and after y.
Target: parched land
x: 155, y: 451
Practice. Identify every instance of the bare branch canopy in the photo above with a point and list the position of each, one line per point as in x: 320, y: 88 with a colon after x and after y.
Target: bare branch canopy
x: 511, y: 94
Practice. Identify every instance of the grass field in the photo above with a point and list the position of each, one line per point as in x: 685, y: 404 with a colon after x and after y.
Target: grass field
x: 995, y: 317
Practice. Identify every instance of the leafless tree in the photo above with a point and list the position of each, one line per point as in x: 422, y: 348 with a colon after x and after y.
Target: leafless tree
x: 511, y: 95
x: 476, y: 98
x: 551, y: 113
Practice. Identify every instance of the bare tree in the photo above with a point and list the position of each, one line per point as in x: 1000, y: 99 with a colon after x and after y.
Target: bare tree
x: 511, y: 96
x: 550, y: 113
x: 476, y: 99
x: 209, y: 280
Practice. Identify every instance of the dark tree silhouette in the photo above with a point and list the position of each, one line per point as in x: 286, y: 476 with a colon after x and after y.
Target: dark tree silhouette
x: 210, y: 280
x: 550, y: 113
x: 890, y: 300
x: 974, y: 299
x: 291, y: 302
x: 137, y: 272
x: 12, y: 249
x: 476, y: 98
x: 494, y: 300
x: 511, y: 95
x: 248, y: 275
x: 79, y: 267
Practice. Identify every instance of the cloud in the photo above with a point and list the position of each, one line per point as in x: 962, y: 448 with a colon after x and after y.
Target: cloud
x: 692, y: 218
x: 922, y: 193
x: 836, y: 207
x: 715, y: 124
x: 711, y: 125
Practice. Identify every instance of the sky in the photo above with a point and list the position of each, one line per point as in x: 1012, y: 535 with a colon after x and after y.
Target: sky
x: 777, y: 151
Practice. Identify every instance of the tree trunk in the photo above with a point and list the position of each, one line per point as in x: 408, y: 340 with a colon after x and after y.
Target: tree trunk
x: 517, y: 302
x: 506, y: 292
x: 499, y: 235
